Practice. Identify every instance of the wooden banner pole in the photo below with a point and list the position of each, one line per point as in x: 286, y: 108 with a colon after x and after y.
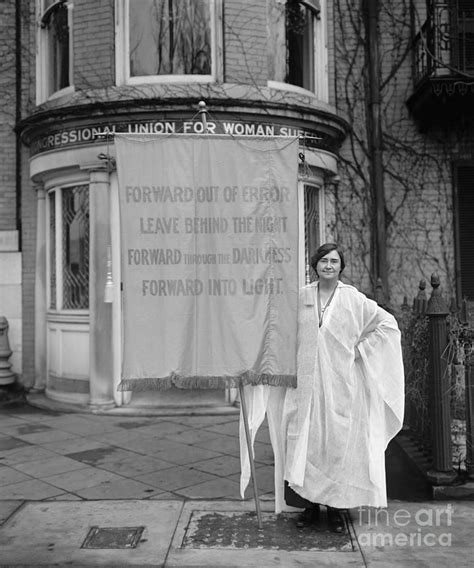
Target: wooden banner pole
x: 249, y: 449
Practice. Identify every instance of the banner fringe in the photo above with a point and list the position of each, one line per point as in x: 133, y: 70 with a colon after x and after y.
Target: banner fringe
x: 247, y: 378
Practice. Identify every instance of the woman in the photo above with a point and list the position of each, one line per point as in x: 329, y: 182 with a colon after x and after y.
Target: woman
x: 349, y: 400
x: 329, y: 434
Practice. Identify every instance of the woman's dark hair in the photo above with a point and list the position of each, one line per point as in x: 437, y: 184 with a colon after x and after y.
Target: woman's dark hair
x: 323, y: 250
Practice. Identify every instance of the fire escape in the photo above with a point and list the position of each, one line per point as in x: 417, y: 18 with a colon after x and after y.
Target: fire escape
x: 443, y: 63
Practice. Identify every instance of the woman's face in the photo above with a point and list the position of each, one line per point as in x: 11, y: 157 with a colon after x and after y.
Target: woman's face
x: 329, y: 266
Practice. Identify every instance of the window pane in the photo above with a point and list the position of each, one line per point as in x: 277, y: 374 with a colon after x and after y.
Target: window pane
x: 75, y: 241
x: 466, y: 230
x: 170, y: 37
x: 300, y: 45
x: 466, y: 35
x: 52, y: 249
x: 277, y: 58
x: 312, y: 226
x: 58, y: 47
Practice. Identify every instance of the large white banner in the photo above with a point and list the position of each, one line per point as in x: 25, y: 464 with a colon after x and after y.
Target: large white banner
x: 209, y: 236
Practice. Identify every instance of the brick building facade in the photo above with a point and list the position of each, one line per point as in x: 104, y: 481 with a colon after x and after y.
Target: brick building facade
x: 275, y: 66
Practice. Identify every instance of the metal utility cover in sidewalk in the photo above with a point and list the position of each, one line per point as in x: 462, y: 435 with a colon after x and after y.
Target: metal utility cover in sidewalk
x: 113, y: 537
x: 239, y: 530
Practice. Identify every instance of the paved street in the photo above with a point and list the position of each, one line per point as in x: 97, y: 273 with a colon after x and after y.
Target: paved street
x: 174, y: 480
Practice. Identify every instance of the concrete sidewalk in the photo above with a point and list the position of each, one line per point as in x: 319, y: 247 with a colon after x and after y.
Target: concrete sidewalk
x: 115, y: 490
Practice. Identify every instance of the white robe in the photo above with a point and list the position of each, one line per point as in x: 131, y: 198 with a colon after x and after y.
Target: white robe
x: 329, y: 434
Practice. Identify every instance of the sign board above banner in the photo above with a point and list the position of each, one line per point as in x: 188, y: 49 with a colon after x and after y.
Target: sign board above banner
x: 62, y: 138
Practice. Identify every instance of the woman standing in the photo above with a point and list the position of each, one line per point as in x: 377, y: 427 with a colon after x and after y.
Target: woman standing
x: 349, y: 400
x: 329, y: 434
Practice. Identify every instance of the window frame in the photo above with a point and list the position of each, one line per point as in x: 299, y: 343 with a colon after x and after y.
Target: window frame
x: 304, y: 255
x: 320, y: 57
x: 57, y: 190
x: 122, y: 45
x: 43, y: 60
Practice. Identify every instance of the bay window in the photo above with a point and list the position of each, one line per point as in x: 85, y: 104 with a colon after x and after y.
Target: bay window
x: 297, y: 54
x: 166, y: 40
x: 55, y: 51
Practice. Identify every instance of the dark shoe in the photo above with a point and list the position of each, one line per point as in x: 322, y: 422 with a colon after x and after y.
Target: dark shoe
x: 308, y: 517
x: 335, y: 520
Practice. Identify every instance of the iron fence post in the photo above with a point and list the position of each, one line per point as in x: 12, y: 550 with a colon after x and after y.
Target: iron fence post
x: 437, y: 311
x: 420, y: 302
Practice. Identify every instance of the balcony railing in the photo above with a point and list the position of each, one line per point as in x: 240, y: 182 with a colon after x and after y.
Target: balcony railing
x: 444, y: 46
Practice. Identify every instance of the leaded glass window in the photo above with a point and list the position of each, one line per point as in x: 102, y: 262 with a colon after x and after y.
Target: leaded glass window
x: 52, y: 250
x: 169, y: 37
x: 312, y: 226
x: 75, y: 241
x: 68, y: 254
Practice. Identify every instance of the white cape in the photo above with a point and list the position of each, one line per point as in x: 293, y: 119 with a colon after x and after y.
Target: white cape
x: 329, y: 435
